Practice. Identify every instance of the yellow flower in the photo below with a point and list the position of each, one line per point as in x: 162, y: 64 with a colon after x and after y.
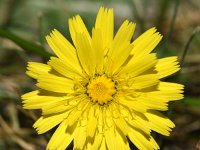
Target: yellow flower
x: 103, y: 89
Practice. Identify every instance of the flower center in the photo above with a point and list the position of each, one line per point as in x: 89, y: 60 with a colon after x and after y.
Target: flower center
x: 101, y: 90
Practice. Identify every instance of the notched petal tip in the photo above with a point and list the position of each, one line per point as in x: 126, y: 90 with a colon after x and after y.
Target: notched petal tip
x: 48, y: 38
x: 167, y: 66
x: 34, y: 69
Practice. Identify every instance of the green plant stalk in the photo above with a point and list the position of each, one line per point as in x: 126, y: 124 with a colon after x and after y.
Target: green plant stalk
x: 163, y: 9
x: 171, y: 27
x: 24, y: 44
x: 137, y: 16
x: 196, y: 30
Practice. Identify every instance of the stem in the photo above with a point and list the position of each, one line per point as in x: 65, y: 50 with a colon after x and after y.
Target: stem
x: 137, y: 16
x: 163, y: 9
x: 172, y: 22
x: 24, y: 44
x: 177, y: 2
x: 196, y: 30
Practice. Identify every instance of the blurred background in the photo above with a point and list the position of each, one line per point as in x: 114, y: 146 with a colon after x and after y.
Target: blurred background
x: 25, y: 23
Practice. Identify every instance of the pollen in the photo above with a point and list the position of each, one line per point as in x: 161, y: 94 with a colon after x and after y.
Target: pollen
x: 101, y: 90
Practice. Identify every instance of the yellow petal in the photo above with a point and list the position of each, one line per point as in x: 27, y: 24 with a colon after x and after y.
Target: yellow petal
x: 137, y: 125
x: 44, y: 124
x: 107, y: 117
x: 122, y: 125
x: 121, y: 141
x: 64, y: 133
x: 35, y: 69
x: 67, y: 69
x: 76, y: 26
x: 97, y: 141
x: 62, y: 48
x: 97, y: 46
x: 120, y: 48
x: 142, y: 140
x: 144, y: 81
x: 85, y: 53
x: 109, y: 136
x: 167, y: 66
x: 103, y: 145
x: 139, y: 64
x: 92, y: 123
x: 124, y: 33
x: 125, y: 113
x: 105, y: 23
x: 145, y: 43
x: 76, y: 113
x: 159, y: 122
x: 38, y: 99
x: 168, y: 86
x: 153, y: 103
x: 168, y: 91
x: 117, y: 61
x: 133, y: 104
x: 55, y: 83
x: 80, y: 137
x: 60, y: 106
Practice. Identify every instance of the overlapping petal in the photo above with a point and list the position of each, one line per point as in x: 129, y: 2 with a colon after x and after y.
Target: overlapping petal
x: 65, y: 134
x: 77, y: 26
x: 85, y: 53
x: 35, y: 69
x: 167, y: 66
x: 120, y: 47
x: 55, y: 83
x: 145, y: 43
x: 38, y: 99
x: 159, y: 122
x: 105, y: 23
x: 62, y: 48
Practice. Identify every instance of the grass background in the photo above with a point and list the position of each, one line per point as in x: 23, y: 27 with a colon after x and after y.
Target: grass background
x: 25, y: 23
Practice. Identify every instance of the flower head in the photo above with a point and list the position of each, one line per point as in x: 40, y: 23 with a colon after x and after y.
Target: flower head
x: 103, y: 89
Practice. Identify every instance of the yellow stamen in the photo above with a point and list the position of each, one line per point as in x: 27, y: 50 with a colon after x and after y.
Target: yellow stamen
x: 101, y: 90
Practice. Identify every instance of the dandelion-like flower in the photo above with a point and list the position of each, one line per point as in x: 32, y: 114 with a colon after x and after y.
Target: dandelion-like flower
x: 103, y: 90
